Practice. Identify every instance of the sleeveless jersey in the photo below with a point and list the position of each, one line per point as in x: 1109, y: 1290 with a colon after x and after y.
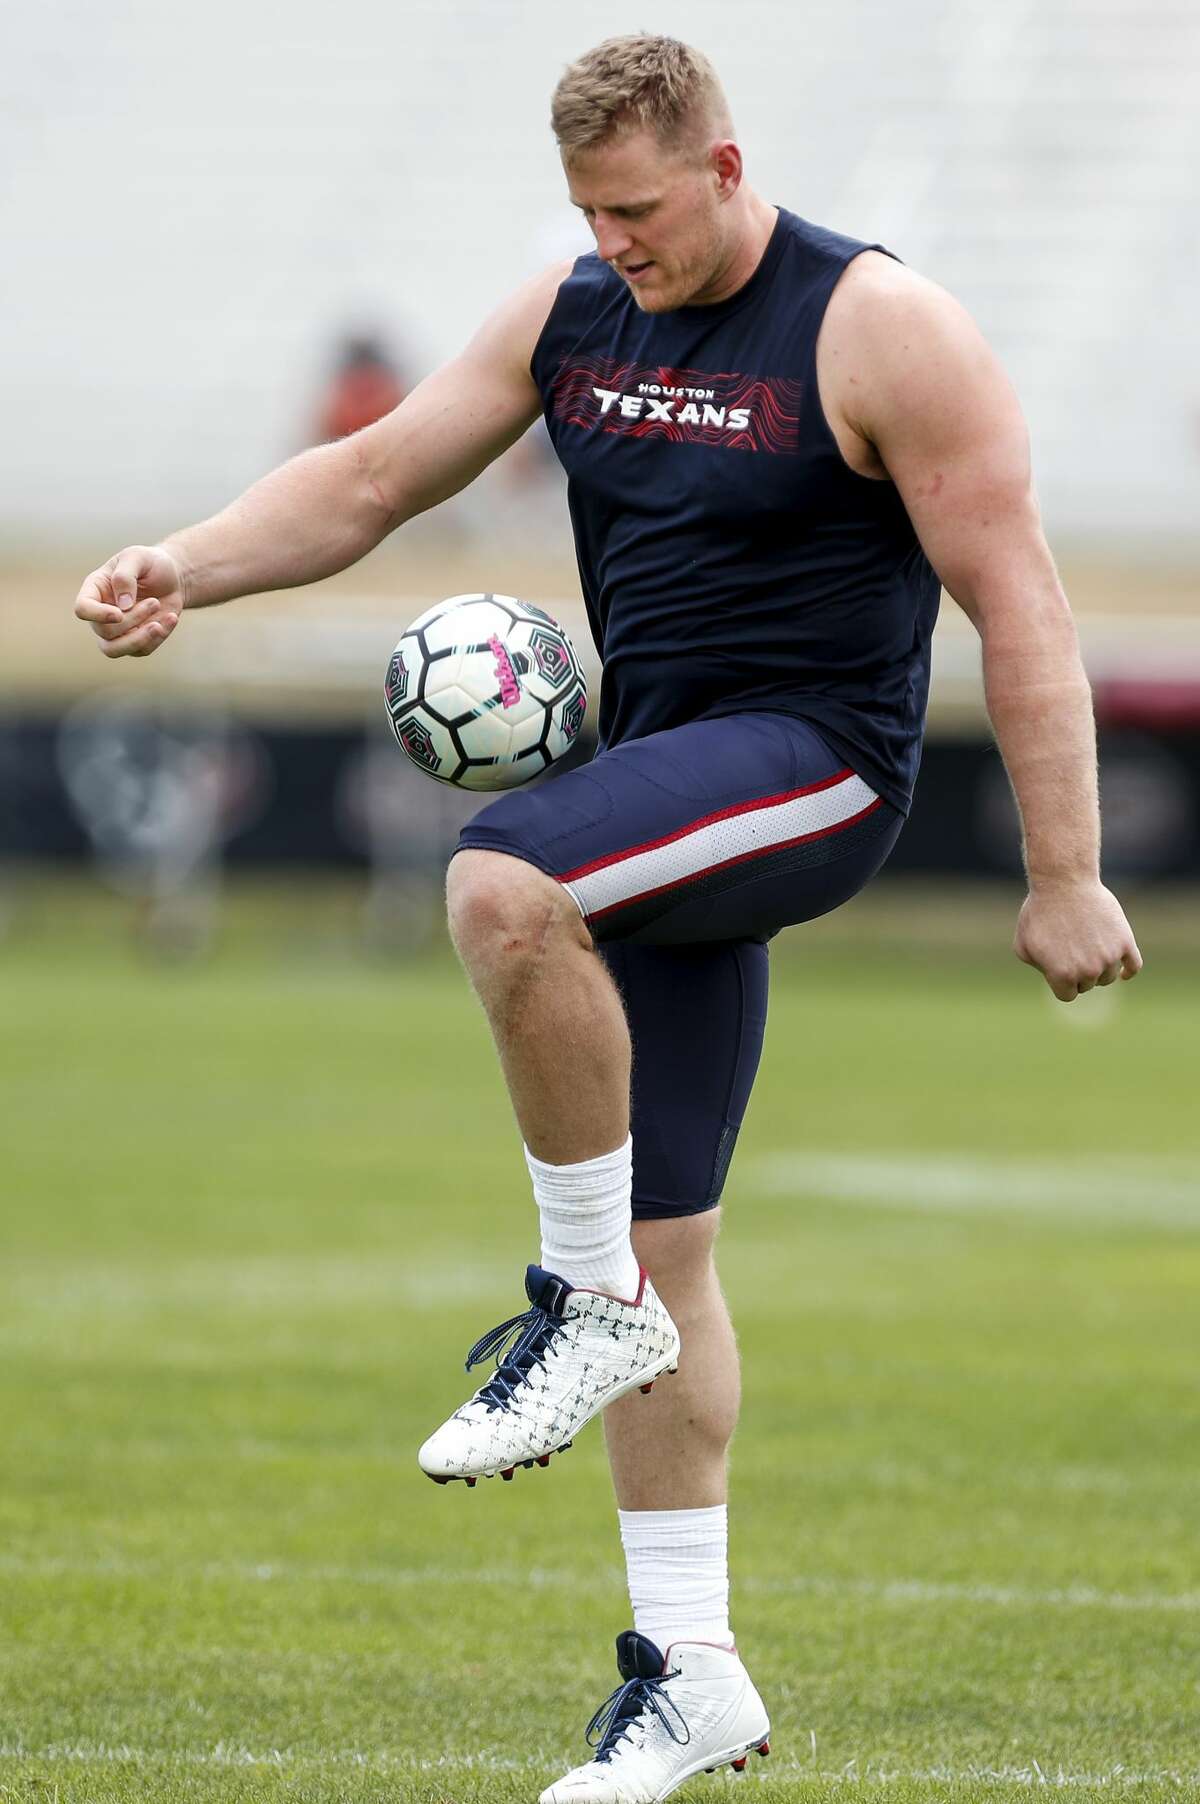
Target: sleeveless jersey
x: 730, y: 558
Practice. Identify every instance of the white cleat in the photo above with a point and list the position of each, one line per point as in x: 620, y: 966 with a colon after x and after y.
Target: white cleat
x: 671, y: 1718
x: 571, y: 1354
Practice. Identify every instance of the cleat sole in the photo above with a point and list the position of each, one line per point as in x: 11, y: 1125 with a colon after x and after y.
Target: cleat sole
x: 505, y: 1472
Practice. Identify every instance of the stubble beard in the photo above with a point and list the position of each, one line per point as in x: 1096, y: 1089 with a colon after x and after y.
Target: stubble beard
x: 682, y: 289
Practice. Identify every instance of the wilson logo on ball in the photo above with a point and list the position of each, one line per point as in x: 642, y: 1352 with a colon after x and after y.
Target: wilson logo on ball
x: 506, y: 676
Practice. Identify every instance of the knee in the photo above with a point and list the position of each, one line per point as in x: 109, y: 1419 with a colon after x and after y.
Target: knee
x: 678, y: 1256
x: 500, y: 908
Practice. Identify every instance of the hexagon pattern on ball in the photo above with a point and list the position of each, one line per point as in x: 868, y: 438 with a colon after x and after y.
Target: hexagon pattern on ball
x: 485, y: 692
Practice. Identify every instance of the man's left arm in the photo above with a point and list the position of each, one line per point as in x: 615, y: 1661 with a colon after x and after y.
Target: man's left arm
x: 940, y: 412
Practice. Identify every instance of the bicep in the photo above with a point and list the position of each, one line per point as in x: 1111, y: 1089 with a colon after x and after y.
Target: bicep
x: 948, y: 426
x: 462, y: 417
x: 450, y: 428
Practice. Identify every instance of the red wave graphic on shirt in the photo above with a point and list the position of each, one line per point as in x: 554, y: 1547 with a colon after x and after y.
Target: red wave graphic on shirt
x: 727, y: 410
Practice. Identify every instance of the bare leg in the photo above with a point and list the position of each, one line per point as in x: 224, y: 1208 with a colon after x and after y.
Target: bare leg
x: 554, y: 1012
x: 668, y: 1450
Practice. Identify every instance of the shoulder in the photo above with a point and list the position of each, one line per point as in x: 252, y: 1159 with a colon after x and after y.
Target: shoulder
x: 886, y: 317
x: 588, y: 289
x: 894, y: 341
x: 515, y: 326
x: 511, y: 331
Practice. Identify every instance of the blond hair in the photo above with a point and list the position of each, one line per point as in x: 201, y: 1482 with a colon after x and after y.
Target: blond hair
x: 633, y: 83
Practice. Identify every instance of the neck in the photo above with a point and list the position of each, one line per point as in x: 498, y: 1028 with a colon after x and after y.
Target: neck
x: 751, y: 233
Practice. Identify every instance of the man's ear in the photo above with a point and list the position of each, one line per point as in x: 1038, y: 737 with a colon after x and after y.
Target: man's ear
x: 725, y: 161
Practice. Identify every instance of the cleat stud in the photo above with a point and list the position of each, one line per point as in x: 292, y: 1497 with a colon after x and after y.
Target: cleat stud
x: 764, y: 1748
x: 739, y: 1766
x: 437, y: 1480
x: 471, y: 1483
x: 526, y: 1464
x: 646, y: 1388
x: 508, y: 1472
x: 543, y: 1459
x: 710, y: 1769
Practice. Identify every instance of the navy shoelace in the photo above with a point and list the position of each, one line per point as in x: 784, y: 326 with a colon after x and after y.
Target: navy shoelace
x: 530, y: 1336
x: 618, y: 1713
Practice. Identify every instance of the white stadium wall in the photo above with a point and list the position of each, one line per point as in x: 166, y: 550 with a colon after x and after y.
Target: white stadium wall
x: 197, y: 200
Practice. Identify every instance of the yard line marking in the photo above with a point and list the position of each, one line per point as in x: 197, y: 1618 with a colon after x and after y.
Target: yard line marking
x: 1069, y: 1188
x: 1071, y: 1597
x: 603, y: 1579
x: 855, y: 1773
x: 249, y: 1283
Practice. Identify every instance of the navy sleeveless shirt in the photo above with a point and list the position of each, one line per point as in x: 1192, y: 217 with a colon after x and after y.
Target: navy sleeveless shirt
x: 730, y: 558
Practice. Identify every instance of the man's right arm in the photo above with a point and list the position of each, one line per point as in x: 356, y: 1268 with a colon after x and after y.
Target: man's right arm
x: 327, y: 508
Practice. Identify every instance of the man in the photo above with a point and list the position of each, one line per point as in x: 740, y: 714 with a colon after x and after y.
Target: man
x: 778, y: 441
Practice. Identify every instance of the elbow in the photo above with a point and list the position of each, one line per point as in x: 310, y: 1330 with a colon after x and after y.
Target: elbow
x: 1019, y: 597
x: 369, y: 484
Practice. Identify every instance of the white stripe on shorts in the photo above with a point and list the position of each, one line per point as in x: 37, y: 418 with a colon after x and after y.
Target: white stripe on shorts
x: 743, y: 832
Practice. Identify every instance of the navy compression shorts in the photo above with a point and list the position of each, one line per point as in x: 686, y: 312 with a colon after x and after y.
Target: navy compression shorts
x: 685, y: 852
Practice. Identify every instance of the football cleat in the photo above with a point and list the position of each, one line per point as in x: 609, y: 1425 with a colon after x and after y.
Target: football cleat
x: 559, y: 1364
x: 670, y: 1718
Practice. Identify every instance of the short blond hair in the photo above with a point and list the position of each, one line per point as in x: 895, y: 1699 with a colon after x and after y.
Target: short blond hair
x: 634, y: 83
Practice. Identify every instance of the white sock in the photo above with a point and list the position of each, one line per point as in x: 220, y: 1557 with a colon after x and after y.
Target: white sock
x: 586, y: 1218
x: 678, y: 1567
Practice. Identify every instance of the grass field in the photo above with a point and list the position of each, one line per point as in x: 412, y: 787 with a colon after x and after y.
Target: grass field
x: 256, y: 1209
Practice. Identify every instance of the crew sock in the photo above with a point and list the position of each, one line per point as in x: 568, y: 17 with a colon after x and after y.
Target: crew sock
x: 585, y: 1211
x: 678, y: 1569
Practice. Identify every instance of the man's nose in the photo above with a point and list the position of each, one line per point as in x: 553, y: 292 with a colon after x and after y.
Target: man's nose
x: 613, y: 240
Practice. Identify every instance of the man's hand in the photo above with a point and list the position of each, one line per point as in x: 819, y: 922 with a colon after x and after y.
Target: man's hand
x: 1077, y: 936
x: 133, y: 602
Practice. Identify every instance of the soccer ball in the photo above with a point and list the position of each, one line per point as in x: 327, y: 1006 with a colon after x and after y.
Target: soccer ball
x: 485, y: 691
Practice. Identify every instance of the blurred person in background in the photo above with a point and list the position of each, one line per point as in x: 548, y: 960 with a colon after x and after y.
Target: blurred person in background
x: 779, y: 443
x: 365, y: 386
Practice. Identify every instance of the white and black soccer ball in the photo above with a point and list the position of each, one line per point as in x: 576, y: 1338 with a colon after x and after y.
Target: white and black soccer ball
x: 485, y: 692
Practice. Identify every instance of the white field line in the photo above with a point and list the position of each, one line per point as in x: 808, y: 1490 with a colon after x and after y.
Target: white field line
x: 383, y: 1760
x: 602, y: 1580
x: 248, y: 1283
x: 1132, y: 1193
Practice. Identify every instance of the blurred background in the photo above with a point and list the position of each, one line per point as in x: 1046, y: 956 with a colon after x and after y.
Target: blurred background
x: 228, y: 247
x: 252, y: 1209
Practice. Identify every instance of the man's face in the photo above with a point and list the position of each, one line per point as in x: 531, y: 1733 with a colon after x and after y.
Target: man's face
x: 656, y: 217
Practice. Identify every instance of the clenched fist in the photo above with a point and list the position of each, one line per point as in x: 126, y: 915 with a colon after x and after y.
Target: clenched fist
x: 133, y: 602
x: 1077, y: 936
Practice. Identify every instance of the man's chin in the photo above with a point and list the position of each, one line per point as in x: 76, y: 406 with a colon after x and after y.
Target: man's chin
x: 654, y: 300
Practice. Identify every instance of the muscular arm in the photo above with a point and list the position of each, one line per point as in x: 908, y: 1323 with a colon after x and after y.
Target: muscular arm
x: 327, y: 508
x: 931, y: 399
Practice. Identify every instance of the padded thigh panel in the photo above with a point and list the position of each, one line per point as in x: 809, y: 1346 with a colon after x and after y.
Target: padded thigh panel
x: 696, y: 1018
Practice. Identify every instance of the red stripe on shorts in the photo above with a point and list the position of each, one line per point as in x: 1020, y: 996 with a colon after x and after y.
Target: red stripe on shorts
x: 739, y: 858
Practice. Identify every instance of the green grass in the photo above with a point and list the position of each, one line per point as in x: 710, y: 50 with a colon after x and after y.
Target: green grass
x: 255, y: 1210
